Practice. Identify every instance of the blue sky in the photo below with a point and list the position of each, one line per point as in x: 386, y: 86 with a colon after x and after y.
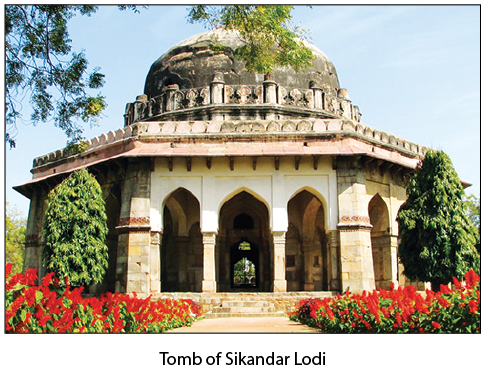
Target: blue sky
x: 413, y: 71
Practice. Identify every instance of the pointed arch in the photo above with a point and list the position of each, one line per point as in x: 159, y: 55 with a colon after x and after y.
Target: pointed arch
x: 306, y: 246
x: 243, y: 218
x: 379, y: 214
x: 381, y: 241
x: 232, y: 194
x: 319, y: 196
x: 183, y: 219
x: 181, y: 244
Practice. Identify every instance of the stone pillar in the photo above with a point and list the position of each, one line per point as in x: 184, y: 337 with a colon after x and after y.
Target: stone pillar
x: 394, y: 262
x: 134, y: 240
x: 279, y: 281
x: 33, y: 236
x: 170, y: 97
x: 217, y: 94
x: 334, y: 261
x: 345, y: 103
x: 155, y: 267
x: 308, y: 264
x: 139, y: 107
x: 217, y: 88
x: 357, y: 270
x: 209, y: 262
x: 182, y: 244
x: 317, y: 96
x: 270, y: 95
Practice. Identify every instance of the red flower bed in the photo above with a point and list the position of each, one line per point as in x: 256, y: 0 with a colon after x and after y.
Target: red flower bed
x: 397, y: 310
x: 45, y: 308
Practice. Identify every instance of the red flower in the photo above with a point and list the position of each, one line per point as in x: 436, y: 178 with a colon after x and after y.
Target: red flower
x: 445, y: 289
x: 472, y: 279
x: 8, y: 270
x: 436, y: 325
x: 473, y: 306
x: 456, y: 283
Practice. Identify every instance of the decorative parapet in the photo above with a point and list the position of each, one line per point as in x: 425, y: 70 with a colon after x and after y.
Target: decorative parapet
x: 311, y: 126
x: 173, y: 99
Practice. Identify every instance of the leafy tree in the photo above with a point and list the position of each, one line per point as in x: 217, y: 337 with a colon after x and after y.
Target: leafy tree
x: 437, y: 238
x: 269, y: 38
x: 40, y: 64
x: 472, y: 204
x: 14, y: 238
x: 75, y: 230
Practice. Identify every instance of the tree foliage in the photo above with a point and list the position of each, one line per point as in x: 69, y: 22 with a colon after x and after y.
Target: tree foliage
x: 437, y: 238
x: 75, y: 231
x: 472, y: 205
x: 14, y: 238
x: 41, y: 67
x: 269, y: 39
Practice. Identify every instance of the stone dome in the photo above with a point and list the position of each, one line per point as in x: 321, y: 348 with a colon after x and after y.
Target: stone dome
x: 192, y: 64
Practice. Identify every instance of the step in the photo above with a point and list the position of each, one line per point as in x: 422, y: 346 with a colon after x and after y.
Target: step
x: 243, y: 309
x: 244, y: 315
x: 239, y: 303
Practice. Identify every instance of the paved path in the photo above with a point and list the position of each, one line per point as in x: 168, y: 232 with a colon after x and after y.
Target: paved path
x: 245, y: 325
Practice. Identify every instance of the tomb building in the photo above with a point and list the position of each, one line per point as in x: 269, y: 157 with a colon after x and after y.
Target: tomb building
x: 224, y: 180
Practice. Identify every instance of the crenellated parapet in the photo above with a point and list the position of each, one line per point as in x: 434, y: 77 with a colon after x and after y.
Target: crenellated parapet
x: 232, y: 100
x: 316, y: 128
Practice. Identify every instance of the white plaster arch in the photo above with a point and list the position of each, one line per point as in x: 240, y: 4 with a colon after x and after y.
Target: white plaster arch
x: 174, y: 206
x: 223, y: 198
x: 178, y: 215
x: 162, y: 186
x: 238, y: 191
x: 319, y: 197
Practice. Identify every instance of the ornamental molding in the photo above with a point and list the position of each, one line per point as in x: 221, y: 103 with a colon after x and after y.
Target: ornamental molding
x: 134, y: 224
x: 354, y: 219
x: 353, y: 223
x: 134, y: 221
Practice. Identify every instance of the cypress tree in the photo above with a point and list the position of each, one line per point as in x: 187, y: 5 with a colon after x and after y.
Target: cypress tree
x: 437, y: 238
x: 75, y: 231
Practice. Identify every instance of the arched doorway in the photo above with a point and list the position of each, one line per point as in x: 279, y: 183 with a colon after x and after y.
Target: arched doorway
x: 244, y: 265
x: 242, y: 248
x: 306, y: 252
x: 181, y: 245
x: 381, y: 242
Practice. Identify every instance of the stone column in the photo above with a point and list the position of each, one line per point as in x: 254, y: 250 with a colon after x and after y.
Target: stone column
x: 317, y: 96
x: 334, y: 261
x: 217, y: 94
x: 279, y: 282
x: 139, y: 107
x: 394, y: 262
x: 357, y: 270
x: 134, y: 240
x: 33, y: 236
x: 170, y: 97
x: 209, y: 262
x: 270, y: 95
x: 182, y: 243
x: 308, y: 263
x: 155, y: 267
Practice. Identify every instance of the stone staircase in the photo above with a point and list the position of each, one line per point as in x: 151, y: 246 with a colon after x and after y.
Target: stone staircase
x: 244, y: 309
x: 243, y: 304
